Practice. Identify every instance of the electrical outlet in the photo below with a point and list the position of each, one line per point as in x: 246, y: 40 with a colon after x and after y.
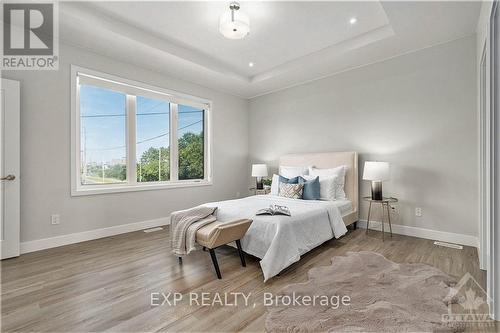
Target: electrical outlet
x: 55, y: 219
x: 418, y: 212
x: 394, y: 213
x: 238, y: 194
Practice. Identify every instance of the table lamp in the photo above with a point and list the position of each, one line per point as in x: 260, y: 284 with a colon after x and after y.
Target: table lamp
x: 376, y: 172
x: 259, y: 171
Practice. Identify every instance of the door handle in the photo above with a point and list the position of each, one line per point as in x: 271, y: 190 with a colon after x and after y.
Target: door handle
x: 8, y: 177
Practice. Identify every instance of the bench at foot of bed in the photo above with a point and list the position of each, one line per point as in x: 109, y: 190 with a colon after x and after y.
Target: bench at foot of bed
x: 217, y: 234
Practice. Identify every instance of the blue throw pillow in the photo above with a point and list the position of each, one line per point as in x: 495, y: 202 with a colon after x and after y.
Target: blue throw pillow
x: 294, y: 180
x: 311, y: 188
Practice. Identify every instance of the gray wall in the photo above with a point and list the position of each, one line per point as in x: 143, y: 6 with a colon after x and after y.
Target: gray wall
x: 417, y: 111
x: 45, y: 150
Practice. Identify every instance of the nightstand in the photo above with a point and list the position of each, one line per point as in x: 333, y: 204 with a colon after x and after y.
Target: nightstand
x: 260, y: 192
x: 385, y: 204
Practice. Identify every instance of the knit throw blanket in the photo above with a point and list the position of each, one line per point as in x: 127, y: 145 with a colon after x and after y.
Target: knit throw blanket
x: 185, y: 223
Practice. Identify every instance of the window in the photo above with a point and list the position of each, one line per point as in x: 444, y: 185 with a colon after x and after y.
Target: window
x: 191, y: 144
x: 153, y: 140
x: 103, y: 119
x: 130, y: 136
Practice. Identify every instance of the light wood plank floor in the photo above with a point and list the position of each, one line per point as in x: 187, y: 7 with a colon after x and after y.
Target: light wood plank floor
x: 106, y: 284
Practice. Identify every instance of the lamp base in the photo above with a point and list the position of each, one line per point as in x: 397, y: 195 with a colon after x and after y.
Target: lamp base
x: 259, y: 184
x: 377, y: 190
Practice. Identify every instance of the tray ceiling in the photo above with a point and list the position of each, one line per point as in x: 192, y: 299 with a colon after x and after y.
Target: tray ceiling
x: 289, y: 42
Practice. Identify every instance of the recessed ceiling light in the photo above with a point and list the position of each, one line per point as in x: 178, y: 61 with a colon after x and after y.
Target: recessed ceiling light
x: 250, y: 64
x: 353, y: 20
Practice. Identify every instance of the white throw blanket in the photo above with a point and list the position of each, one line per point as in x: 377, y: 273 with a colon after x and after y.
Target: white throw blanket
x: 185, y: 223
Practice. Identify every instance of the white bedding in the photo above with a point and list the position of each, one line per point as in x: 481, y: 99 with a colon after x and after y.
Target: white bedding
x: 279, y: 241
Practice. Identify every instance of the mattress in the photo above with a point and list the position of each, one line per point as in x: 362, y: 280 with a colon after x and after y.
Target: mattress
x: 344, y: 206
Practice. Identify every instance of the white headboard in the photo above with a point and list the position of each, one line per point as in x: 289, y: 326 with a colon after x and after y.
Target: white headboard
x: 331, y: 160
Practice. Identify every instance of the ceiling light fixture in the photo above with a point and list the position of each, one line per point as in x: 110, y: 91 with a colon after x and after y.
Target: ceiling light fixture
x: 250, y: 64
x: 353, y: 20
x: 234, y: 24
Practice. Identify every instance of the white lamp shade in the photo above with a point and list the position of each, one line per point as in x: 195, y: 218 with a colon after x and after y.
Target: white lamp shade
x: 259, y: 170
x: 234, y: 29
x: 376, y: 171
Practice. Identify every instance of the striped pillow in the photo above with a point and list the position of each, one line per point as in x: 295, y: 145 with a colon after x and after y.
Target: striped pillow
x: 293, y: 191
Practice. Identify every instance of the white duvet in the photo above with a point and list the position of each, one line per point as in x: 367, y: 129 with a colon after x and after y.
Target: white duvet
x: 279, y: 241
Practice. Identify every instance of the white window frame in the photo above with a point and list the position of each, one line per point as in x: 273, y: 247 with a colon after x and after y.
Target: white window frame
x: 132, y: 89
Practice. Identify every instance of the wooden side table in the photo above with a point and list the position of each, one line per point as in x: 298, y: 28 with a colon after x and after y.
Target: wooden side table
x: 385, y: 204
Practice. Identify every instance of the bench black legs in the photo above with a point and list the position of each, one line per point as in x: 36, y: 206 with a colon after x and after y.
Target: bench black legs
x: 240, y: 252
x: 216, y: 264
x: 214, y: 258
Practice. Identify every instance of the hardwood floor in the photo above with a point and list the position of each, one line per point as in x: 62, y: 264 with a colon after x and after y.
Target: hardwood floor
x: 106, y: 284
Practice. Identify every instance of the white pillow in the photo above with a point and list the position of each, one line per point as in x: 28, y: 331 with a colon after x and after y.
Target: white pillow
x: 275, y: 185
x: 333, y: 182
x: 291, y: 172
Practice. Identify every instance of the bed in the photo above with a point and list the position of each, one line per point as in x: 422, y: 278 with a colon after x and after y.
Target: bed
x: 279, y: 241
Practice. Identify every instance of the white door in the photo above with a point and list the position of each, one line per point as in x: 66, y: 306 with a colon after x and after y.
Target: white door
x: 9, y: 168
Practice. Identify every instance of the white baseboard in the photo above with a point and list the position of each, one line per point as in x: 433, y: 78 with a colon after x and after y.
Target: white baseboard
x: 47, y: 243
x: 443, y: 236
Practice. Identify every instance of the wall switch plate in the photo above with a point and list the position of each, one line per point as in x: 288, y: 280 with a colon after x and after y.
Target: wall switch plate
x: 55, y: 219
x: 418, y: 212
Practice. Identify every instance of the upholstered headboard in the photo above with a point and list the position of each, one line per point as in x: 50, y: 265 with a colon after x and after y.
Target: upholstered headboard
x: 331, y: 160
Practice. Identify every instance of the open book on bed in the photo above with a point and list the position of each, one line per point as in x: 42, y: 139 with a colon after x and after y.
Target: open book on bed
x: 274, y: 210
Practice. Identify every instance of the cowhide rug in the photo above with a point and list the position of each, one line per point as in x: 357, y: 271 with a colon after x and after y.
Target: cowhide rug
x: 384, y: 297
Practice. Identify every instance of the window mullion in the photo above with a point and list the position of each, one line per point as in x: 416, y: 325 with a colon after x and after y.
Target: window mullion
x: 131, y: 140
x: 174, y: 151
